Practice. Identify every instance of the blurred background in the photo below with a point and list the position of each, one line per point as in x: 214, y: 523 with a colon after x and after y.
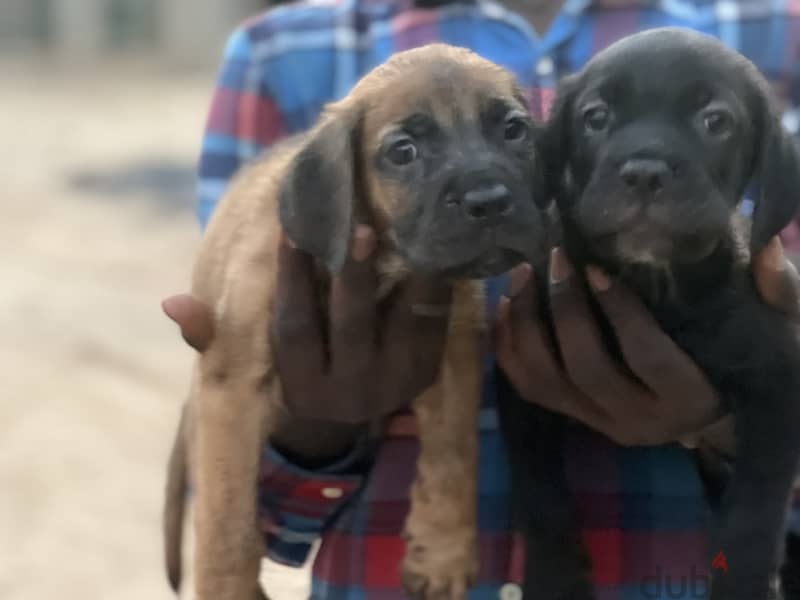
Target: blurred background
x: 102, y: 104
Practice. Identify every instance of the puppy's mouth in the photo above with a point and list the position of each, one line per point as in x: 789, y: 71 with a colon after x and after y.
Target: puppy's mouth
x: 646, y: 243
x: 472, y: 254
x: 679, y: 219
x: 491, y: 263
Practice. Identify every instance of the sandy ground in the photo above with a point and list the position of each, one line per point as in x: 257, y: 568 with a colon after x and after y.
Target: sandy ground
x: 96, y: 226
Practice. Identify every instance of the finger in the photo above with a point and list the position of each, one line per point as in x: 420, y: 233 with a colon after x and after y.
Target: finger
x: 721, y: 436
x: 193, y: 317
x: 586, y: 355
x: 531, y: 340
x: 431, y: 300
x: 715, y: 470
x: 530, y: 333
x: 777, y: 279
x: 412, y: 340
x: 685, y: 398
x: 354, y: 301
x: 503, y: 344
x: 297, y: 326
x: 521, y: 277
x: 509, y: 360
x: 529, y: 337
x: 526, y: 353
x: 415, y: 328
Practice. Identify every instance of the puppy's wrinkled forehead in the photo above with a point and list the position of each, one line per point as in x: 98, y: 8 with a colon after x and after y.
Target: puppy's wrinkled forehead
x: 439, y: 86
x: 669, y: 67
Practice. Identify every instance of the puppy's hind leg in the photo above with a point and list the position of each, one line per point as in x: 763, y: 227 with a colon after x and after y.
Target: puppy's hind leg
x: 441, y: 560
x: 753, y: 512
x: 227, y: 434
x: 557, y: 566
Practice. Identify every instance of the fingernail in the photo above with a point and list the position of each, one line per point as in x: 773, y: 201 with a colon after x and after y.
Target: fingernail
x: 560, y: 269
x: 773, y: 255
x: 502, y: 309
x: 172, y: 307
x: 363, y: 243
x: 597, y: 279
x: 519, y: 277
x: 166, y: 308
x: 284, y: 239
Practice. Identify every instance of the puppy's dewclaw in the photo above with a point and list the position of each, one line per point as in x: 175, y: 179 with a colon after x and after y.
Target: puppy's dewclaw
x: 460, y: 213
x: 650, y: 172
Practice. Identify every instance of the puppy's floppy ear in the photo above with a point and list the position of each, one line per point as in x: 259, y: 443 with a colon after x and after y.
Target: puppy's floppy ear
x: 539, y: 181
x: 318, y: 197
x: 777, y: 174
x: 554, y: 140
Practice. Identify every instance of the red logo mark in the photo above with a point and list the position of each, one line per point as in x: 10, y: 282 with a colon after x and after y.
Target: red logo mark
x: 720, y: 563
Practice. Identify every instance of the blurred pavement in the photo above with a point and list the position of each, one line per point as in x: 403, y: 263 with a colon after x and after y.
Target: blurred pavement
x: 96, y: 226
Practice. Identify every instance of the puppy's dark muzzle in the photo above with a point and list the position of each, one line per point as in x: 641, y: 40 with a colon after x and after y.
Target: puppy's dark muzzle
x: 480, y: 223
x: 488, y: 202
x: 647, y: 177
x: 484, y: 203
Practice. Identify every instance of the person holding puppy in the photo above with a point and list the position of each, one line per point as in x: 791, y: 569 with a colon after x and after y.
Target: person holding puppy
x: 640, y: 500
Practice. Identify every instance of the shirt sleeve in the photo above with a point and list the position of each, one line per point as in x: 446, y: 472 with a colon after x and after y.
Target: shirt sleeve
x: 297, y: 505
x: 243, y: 120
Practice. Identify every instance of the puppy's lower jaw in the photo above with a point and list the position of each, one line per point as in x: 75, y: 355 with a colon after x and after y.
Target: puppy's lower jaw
x: 641, y: 246
x: 660, y: 250
x: 491, y: 263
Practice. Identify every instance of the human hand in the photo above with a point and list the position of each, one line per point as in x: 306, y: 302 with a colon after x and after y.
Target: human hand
x: 660, y: 397
x: 370, y: 356
x: 777, y: 279
x: 367, y: 359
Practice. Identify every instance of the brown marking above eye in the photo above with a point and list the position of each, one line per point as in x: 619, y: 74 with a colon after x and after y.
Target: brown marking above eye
x: 419, y: 125
x: 496, y: 110
x: 696, y: 95
x: 613, y: 90
x: 505, y: 115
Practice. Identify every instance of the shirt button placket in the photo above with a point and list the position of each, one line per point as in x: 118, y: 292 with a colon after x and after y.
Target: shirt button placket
x: 510, y: 591
x: 332, y: 493
x: 545, y: 69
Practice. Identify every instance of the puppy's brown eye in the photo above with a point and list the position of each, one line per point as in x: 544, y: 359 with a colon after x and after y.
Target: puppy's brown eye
x: 516, y: 129
x: 716, y: 123
x: 596, y: 118
x: 402, y: 152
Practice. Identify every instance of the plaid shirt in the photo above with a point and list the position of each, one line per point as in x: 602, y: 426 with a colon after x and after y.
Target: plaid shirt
x: 642, y: 510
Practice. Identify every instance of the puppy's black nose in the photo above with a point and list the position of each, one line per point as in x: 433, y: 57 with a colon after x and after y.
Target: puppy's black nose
x: 487, y: 201
x: 646, y: 176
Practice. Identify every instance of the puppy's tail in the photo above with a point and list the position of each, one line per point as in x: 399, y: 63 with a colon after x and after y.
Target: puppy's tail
x: 175, y: 503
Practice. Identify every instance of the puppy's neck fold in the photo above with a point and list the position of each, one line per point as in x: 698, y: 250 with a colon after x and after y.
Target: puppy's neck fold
x: 668, y: 285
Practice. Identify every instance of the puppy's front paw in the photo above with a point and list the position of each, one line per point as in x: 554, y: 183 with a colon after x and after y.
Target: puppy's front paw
x: 443, y: 569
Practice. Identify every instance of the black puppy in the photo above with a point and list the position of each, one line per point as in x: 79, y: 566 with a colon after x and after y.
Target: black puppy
x: 652, y: 147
